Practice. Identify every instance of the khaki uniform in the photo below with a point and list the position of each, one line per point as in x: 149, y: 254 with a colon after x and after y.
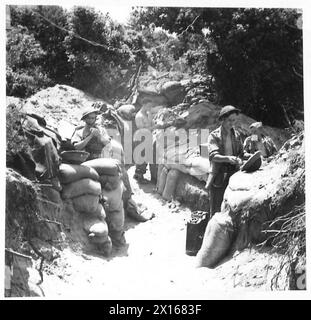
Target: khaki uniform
x: 265, y: 145
x: 221, y: 172
x: 95, y: 146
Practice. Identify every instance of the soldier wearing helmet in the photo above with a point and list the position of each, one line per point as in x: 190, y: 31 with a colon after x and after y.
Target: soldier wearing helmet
x: 90, y: 137
x: 225, y: 148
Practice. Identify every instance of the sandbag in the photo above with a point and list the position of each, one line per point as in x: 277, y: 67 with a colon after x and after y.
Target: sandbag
x: 190, y: 191
x: 162, y: 174
x: 216, y: 241
x: 100, y: 212
x: 174, y: 92
x: 104, y: 166
x: 153, y: 99
x: 87, y: 203
x: 170, y: 86
x: 95, y: 227
x: 170, y: 185
x: 126, y: 111
x: 101, y: 240
x: 109, y: 182
x: 80, y: 187
x: 103, y: 244
x: 113, y: 150
x: 73, y: 172
x: 198, y: 166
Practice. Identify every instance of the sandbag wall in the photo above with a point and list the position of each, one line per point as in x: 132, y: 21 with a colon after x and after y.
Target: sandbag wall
x: 112, y: 188
x: 81, y: 185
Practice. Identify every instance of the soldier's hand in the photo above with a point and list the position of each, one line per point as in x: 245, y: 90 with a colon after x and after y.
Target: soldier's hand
x: 234, y: 160
x: 95, y: 132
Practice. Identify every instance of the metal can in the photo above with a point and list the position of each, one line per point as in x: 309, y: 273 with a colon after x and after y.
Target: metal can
x: 195, y: 232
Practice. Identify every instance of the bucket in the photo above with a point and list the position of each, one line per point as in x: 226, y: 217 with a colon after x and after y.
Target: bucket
x: 195, y: 231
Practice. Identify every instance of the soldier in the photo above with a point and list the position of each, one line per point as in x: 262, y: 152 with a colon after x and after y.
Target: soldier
x: 226, y: 152
x: 257, y: 141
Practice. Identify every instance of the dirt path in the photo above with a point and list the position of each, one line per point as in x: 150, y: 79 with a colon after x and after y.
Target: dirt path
x: 154, y: 266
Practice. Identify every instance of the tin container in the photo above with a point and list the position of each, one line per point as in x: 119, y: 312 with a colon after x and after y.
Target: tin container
x: 195, y: 232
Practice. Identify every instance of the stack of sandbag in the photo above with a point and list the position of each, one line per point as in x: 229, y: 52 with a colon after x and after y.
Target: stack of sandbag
x: 81, y: 185
x: 152, y: 97
x: 216, y: 241
x: 167, y: 181
x: 174, y: 92
x: 112, y: 188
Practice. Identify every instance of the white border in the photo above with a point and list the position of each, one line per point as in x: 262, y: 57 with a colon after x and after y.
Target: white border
x: 292, y: 295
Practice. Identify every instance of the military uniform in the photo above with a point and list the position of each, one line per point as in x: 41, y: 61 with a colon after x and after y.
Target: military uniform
x: 218, y: 144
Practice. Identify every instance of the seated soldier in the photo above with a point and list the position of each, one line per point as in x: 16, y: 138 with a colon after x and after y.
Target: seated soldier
x: 257, y: 141
x: 90, y: 137
x: 97, y: 142
x: 226, y: 152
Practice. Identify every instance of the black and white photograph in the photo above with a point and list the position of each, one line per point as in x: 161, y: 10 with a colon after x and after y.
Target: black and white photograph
x: 155, y: 151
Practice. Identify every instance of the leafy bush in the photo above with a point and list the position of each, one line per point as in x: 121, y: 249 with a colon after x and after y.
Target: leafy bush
x: 98, y: 61
x: 24, y: 72
x: 254, y: 55
x: 47, y: 24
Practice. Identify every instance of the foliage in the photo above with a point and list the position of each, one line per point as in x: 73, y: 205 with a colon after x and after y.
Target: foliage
x: 98, y: 63
x: 45, y: 23
x: 254, y: 55
x: 24, y: 72
x: 160, y: 49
